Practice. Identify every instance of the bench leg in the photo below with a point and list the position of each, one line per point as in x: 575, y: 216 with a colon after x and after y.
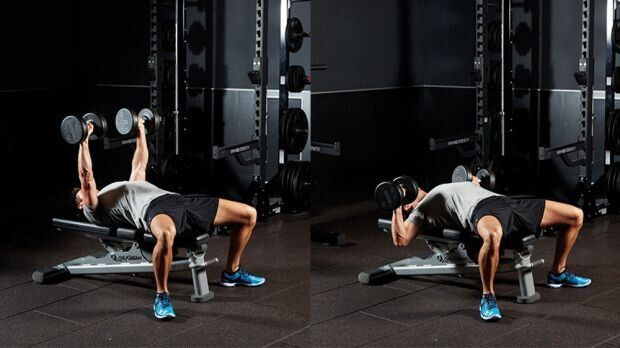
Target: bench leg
x: 198, y: 266
x: 524, y: 266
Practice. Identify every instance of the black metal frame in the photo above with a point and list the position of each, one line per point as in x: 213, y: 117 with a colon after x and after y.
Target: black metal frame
x: 584, y: 147
x: 481, y: 138
x: 610, y: 95
x: 257, y: 193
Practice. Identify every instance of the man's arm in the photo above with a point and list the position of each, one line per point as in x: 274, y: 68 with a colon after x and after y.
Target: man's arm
x: 85, y: 172
x: 141, y: 156
x: 403, y: 232
x: 412, y: 205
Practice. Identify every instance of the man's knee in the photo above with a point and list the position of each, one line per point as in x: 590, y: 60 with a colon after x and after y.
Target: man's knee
x: 166, y: 236
x: 577, y: 217
x: 250, y: 215
x: 492, y: 237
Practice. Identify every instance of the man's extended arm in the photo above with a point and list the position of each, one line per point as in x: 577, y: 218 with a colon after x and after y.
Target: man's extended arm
x: 85, y: 172
x: 141, y: 156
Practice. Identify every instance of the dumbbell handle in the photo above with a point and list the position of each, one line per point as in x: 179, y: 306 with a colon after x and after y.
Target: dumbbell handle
x: 304, y: 34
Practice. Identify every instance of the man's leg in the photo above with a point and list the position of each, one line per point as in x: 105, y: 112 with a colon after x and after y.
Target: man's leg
x: 566, y: 215
x: 244, y: 217
x: 163, y: 229
x: 490, y: 230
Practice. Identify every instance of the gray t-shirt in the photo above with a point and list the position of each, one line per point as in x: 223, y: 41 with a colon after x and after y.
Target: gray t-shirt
x: 124, y: 203
x: 449, y: 206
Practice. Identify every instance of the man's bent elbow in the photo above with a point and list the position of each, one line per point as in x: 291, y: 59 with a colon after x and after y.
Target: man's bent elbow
x: 401, y: 243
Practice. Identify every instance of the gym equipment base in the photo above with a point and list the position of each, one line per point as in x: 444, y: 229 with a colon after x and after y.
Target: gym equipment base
x: 450, y: 258
x: 129, y: 251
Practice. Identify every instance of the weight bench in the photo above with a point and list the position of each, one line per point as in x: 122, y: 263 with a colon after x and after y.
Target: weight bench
x: 129, y: 251
x: 452, y: 257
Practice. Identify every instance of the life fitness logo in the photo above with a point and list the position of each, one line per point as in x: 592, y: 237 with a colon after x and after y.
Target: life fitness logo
x: 126, y: 258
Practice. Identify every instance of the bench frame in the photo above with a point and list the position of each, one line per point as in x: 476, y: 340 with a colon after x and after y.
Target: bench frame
x: 450, y: 257
x: 126, y: 253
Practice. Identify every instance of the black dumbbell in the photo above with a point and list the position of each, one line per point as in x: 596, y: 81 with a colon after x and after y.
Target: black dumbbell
x: 74, y: 130
x: 295, y: 34
x: 487, y: 178
x: 393, y: 194
x: 127, y: 121
x: 465, y: 174
x: 462, y: 174
x: 296, y: 79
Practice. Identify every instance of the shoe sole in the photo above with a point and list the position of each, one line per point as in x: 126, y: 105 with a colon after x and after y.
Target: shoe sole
x: 232, y: 285
x: 164, y: 317
x: 557, y: 286
x: 491, y: 318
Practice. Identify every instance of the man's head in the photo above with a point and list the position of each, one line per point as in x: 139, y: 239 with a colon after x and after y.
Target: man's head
x: 76, y: 198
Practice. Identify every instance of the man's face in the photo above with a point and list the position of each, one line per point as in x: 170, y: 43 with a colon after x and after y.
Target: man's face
x: 79, y: 202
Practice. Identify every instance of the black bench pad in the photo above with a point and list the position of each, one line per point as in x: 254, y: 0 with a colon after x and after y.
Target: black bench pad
x: 513, y: 243
x: 125, y: 234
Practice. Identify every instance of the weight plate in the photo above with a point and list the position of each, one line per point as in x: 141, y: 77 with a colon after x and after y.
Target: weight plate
x: 387, y: 195
x: 295, y: 131
x: 615, y: 36
x: 612, y: 190
x: 461, y: 174
x: 305, y: 184
x: 608, y: 142
x: 101, y: 125
x: 168, y: 36
x: 495, y: 36
x: 295, y: 78
x: 616, y: 79
x: 615, y: 131
x: 496, y: 75
x: 126, y: 121
x: 410, y: 187
x: 73, y: 130
x: 294, y: 34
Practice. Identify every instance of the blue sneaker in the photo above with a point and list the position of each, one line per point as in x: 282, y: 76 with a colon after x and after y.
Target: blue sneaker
x: 162, y: 307
x: 488, y: 308
x: 567, y: 278
x: 241, y: 277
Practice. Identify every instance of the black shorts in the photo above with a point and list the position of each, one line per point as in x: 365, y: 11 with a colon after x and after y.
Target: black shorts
x: 189, y: 212
x: 522, y: 216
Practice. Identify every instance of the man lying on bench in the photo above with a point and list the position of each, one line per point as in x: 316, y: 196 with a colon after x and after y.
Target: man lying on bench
x: 469, y: 207
x: 165, y: 214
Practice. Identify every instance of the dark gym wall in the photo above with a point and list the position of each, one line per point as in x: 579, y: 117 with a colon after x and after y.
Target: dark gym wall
x: 221, y: 41
x: 435, y: 47
x: 363, y: 98
x: 40, y: 81
x: 547, y: 37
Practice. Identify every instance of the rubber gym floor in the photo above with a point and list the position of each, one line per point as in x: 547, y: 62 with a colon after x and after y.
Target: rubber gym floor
x: 442, y: 310
x: 116, y: 310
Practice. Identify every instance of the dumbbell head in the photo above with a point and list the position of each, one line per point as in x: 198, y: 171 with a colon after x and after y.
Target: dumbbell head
x: 126, y: 121
x: 487, y: 178
x: 100, y: 124
x: 393, y: 194
x: 462, y: 174
x: 74, y: 129
x: 151, y: 120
